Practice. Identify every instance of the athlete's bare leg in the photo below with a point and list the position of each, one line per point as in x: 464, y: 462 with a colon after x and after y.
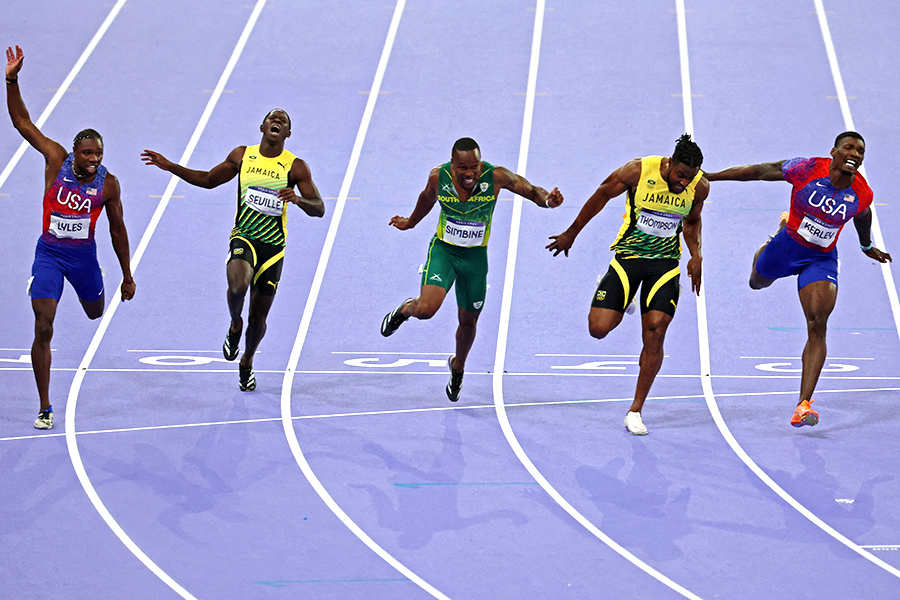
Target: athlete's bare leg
x: 427, y: 304
x: 654, y: 324
x: 44, y: 315
x: 757, y: 281
x: 603, y: 320
x: 94, y: 308
x: 256, y: 324
x: 817, y: 299
x: 465, y: 336
x: 240, y: 276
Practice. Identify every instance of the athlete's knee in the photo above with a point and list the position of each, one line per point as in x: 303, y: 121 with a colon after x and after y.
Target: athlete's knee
x: 599, y: 330
x: 817, y: 324
x: 43, y: 331
x: 423, y: 309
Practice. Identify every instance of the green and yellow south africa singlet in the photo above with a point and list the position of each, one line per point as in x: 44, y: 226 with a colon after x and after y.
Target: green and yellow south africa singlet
x: 261, y: 214
x: 468, y: 223
x: 655, y: 215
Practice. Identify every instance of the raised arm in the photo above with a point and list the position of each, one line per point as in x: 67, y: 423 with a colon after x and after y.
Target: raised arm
x: 427, y: 200
x: 692, y: 237
x: 309, y: 199
x: 760, y: 172
x: 619, y: 181
x: 506, y: 179
x: 112, y: 201
x: 863, y: 224
x: 54, y: 154
x: 221, y: 173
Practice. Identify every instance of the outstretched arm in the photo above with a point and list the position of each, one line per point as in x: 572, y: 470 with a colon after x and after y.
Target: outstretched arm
x: 619, y: 181
x: 692, y: 237
x: 506, y: 179
x: 221, y: 173
x: 427, y: 200
x: 863, y: 224
x: 118, y: 233
x: 54, y: 154
x: 760, y: 172
x: 309, y: 199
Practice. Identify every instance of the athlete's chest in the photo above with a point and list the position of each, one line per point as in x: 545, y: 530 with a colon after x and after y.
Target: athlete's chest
x: 819, y: 197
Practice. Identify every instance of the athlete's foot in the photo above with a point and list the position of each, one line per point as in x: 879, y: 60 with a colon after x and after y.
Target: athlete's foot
x: 44, y: 419
x: 247, y: 381
x: 456, y: 378
x: 804, y: 414
x: 394, y: 319
x: 232, y: 341
x: 634, y: 424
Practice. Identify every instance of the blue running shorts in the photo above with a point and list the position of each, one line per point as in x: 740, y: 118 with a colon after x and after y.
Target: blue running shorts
x: 784, y: 256
x: 78, y: 265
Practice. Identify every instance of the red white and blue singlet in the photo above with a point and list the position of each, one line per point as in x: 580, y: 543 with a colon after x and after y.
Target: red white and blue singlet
x: 71, y: 208
x: 818, y: 209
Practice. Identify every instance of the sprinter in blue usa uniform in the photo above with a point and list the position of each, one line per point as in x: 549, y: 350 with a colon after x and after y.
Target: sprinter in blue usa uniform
x: 76, y: 190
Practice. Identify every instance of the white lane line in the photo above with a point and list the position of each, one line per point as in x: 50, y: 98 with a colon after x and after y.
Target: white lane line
x: 505, y: 310
x: 706, y: 382
x: 286, y: 417
x: 64, y: 87
x: 441, y: 408
x: 70, y: 433
x: 877, y: 238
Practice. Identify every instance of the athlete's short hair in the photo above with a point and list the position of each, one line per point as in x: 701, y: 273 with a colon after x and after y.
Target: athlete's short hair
x: 85, y: 134
x: 687, y: 152
x: 464, y: 145
x: 852, y: 134
x: 278, y: 110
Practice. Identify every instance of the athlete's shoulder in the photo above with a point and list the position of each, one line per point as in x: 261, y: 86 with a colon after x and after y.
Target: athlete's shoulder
x: 861, y: 187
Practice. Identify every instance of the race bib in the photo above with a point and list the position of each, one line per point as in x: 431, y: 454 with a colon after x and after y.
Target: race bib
x: 464, y: 233
x: 264, y: 201
x: 74, y: 227
x: 660, y: 224
x: 817, y: 232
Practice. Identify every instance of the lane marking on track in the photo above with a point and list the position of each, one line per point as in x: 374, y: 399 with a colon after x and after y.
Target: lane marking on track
x: 286, y: 417
x: 115, y: 302
x: 877, y: 238
x: 705, y: 364
x: 431, y: 409
x: 505, y: 311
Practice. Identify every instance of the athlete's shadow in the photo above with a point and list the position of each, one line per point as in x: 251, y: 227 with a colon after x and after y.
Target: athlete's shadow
x: 640, y: 507
x: 425, y: 502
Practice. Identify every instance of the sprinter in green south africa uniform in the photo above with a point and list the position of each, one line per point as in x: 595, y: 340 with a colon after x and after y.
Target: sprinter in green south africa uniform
x: 267, y: 175
x: 466, y: 189
x: 664, y: 200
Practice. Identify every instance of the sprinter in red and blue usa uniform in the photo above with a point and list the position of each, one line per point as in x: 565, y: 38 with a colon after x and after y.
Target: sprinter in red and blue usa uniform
x: 76, y: 189
x: 826, y: 194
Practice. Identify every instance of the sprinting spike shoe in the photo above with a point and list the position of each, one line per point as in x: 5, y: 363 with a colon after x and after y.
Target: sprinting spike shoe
x: 45, y: 419
x: 247, y: 381
x: 232, y: 341
x: 456, y: 377
x: 805, y: 415
x: 394, y: 319
x: 634, y: 424
x: 783, y: 219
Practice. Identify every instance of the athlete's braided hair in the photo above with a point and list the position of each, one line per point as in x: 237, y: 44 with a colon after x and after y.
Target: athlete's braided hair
x: 464, y: 145
x: 687, y: 152
x: 852, y: 134
x: 87, y: 134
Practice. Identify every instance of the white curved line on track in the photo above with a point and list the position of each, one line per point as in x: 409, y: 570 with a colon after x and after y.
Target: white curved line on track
x: 505, y: 309
x: 848, y: 124
x: 705, y: 364
x: 287, y: 383
x: 115, y: 301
